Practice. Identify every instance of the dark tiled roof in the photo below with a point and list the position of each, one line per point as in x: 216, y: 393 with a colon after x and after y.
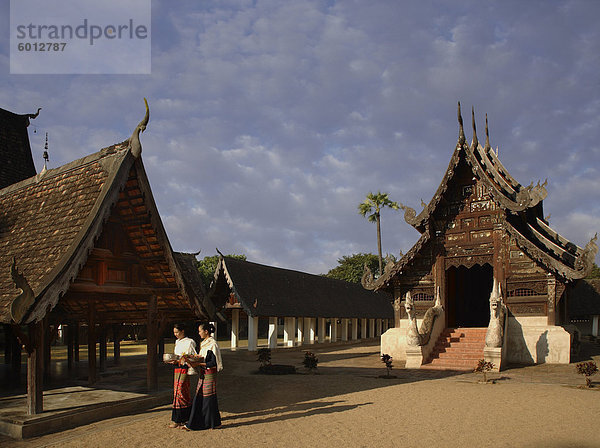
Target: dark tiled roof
x: 16, y: 162
x: 584, y: 298
x: 270, y: 291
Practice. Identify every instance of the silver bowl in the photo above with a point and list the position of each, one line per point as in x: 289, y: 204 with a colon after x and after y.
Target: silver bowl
x: 170, y: 357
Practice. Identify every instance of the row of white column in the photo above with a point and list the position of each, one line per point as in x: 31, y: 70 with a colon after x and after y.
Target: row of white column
x: 300, y: 331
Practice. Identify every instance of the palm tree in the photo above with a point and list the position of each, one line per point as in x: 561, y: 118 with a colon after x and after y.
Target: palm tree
x: 372, y: 207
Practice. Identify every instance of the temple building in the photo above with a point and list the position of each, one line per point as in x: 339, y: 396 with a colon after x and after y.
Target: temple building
x: 488, y: 278
x: 83, y: 245
x: 296, y: 307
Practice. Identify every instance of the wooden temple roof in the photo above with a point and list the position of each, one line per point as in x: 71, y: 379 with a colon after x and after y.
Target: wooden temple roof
x: 522, y: 205
x: 16, y: 162
x: 50, y: 226
x: 269, y: 291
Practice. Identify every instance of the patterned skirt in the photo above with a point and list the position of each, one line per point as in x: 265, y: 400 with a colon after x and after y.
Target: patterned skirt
x: 181, y: 396
x: 205, y: 408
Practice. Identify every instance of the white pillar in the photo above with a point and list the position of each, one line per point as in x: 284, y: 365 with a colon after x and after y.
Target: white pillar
x: 595, y: 325
x: 300, y: 331
x: 371, y: 328
x: 344, y: 330
x: 363, y: 328
x: 252, y: 333
x: 235, y: 327
x: 333, y: 330
x: 311, y: 330
x: 379, y: 327
x: 354, y: 329
x: 272, y: 332
x: 289, y: 328
x: 322, y: 330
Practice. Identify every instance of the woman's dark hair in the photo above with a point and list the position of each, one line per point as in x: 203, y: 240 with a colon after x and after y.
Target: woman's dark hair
x: 207, y: 326
x: 179, y: 326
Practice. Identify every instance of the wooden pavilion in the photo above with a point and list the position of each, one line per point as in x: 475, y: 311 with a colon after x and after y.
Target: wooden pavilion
x: 306, y: 304
x: 481, y: 228
x: 83, y: 244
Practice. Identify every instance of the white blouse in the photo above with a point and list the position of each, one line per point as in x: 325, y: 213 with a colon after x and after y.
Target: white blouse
x: 185, y: 346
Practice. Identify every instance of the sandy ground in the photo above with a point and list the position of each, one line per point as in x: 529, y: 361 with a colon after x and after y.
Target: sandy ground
x: 347, y: 404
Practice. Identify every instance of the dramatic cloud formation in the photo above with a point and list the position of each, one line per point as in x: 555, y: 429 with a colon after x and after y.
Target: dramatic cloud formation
x: 271, y: 121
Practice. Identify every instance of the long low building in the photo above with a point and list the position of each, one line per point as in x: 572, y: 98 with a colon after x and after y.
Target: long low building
x: 307, y: 308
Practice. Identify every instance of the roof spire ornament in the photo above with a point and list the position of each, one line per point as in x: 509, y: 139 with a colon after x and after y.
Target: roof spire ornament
x: 461, y: 134
x: 134, y: 140
x: 487, y: 134
x: 475, y: 142
x: 45, y: 155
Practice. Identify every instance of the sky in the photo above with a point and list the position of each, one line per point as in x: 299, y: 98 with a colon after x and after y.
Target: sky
x: 270, y: 121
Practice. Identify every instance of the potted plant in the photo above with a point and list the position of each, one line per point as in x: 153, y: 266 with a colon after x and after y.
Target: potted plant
x: 484, y: 367
x: 587, y: 369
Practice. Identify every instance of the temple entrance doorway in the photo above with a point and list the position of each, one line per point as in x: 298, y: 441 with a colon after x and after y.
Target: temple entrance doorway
x: 468, y: 295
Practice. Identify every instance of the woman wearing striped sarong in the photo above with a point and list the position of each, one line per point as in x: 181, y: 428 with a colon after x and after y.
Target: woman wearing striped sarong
x: 205, y: 408
x: 182, y: 401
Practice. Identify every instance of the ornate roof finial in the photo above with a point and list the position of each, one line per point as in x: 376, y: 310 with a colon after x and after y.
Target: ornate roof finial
x: 134, y: 140
x: 219, y: 252
x: 34, y: 116
x: 487, y: 134
x: 461, y: 134
x: 45, y: 155
x: 475, y: 141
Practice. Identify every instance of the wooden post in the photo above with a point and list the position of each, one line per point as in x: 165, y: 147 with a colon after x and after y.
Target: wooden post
x: 76, y: 341
x: 161, y: 347
x: 354, y: 323
x: 363, y: 328
x: 151, y: 342
x: 15, y: 356
x: 70, y: 339
x: 102, y: 329
x: 7, y: 343
x: 91, y: 342
x: 117, y: 343
x: 35, y: 369
x: 47, y: 347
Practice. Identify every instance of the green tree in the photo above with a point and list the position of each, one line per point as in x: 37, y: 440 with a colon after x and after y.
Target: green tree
x: 371, y: 209
x: 595, y: 272
x: 351, y: 267
x: 208, y: 265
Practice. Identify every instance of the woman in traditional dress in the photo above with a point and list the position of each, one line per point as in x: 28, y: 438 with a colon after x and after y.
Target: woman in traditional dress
x: 182, y: 401
x: 205, y: 408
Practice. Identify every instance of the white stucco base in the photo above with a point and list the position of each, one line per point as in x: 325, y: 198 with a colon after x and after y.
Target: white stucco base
x: 531, y: 341
x: 393, y: 343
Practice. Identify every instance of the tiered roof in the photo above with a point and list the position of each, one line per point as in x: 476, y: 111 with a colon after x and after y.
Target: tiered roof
x: 522, y: 206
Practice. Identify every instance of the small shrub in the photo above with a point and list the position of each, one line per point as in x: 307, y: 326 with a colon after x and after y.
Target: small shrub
x: 264, y: 357
x: 484, y: 367
x: 310, y: 361
x: 587, y: 369
x: 387, y: 360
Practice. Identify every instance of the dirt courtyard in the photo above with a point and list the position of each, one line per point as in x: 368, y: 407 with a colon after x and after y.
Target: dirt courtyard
x: 347, y: 404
